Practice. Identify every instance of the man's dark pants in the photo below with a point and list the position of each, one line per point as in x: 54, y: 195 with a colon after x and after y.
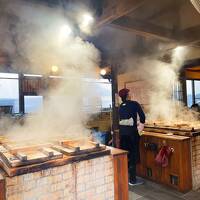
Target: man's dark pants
x: 131, y: 144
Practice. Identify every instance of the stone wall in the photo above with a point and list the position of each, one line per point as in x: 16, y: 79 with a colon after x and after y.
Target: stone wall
x: 86, y: 180
x: 195, y: 162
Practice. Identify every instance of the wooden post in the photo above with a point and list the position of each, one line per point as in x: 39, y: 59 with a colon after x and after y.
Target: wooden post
x: 2, y: 188
x: 193, y: 92
x: 115, y: 115
x: 21, y: 94
x: 120, y: 162
x: 182, y: 80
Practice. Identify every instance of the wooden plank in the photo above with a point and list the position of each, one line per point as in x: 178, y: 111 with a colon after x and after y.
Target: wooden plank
x: 192, y: 74
x: 80, y: 146
x: 2, y: 188
x: 3, y: 149
x: 190, y: 35
x: 65, y: 151
x: 143, y: 28
x: 16, y: 147
x: 48, y: 152
x: 31, y: 157
x: 10, y: 159
x: 72, y: 151
x: 165, y: 136
x: 15, y: 171
x: 120, y: 177
x: 116, y: 152
x: 113, y: 9
x: 186, y: 167
x: 22, y: 156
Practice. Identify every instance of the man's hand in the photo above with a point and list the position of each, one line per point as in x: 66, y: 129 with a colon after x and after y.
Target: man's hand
x: 140, y: 128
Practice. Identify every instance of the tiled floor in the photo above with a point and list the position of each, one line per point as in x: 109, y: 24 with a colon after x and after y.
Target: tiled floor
x: 152, y: 191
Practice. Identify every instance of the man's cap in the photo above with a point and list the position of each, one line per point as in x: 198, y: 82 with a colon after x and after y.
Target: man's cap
x: 123, y: 92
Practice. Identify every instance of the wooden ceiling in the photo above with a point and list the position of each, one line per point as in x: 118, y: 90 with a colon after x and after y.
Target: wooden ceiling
x: 174, y: 21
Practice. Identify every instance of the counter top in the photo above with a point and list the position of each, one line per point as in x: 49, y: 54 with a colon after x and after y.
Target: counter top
x: 165, y: 136
x: 116, y: 152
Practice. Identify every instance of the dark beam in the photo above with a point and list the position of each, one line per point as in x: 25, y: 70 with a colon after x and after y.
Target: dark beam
x: 190, y: 35
x: 163, y: 7
x: 161, y: 12
x: 144, y: 29
x: 21, y: 95
x: 114, y: 9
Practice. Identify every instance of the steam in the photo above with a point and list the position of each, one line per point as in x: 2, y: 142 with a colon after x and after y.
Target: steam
x: 160, y: 78
x: 33, y: 37
x: 138, y: 59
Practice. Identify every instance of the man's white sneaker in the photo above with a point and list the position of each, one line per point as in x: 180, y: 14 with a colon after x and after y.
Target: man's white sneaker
x: 137, y: 182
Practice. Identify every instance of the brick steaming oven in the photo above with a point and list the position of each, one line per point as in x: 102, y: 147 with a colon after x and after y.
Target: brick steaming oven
x: 182, y: 171
x: 71, y: 170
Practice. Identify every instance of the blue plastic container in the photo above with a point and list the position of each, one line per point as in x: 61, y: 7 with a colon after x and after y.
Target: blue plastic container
x: 100, y: 137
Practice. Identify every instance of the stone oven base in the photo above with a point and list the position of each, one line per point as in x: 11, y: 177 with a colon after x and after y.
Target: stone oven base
x: 99, y: 178
x: 90, y: 179
x: 195, y: 149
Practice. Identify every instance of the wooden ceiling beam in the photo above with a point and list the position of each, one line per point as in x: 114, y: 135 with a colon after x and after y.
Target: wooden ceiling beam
x: 161, y: 12
x: 144, y: 29
x: 163, y: 7
x: 189, y: 36
x: 114, y: 9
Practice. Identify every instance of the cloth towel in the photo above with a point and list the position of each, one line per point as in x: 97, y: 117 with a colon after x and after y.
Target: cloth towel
x: 126, y: 122
x: 162, y: 158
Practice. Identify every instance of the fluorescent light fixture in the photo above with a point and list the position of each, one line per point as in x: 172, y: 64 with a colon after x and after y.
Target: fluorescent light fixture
x: 55, y: 76
x: 9, y: 75
x: 33, y: 75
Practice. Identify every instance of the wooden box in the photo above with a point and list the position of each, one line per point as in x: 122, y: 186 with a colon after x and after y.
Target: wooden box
x: 178, y: 173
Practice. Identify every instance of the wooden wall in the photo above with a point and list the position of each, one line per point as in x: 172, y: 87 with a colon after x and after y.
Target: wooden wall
x: 32, y: 85
x: 35, y: 85
x: 193, y: 73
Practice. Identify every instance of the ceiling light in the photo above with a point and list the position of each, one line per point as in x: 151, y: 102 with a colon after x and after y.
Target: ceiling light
x: 86, y: 21
x: 54, y: 69
x: 103, y: 72
x: 65, y: 31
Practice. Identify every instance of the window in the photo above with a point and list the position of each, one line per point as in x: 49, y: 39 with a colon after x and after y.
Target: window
x: 32, y: 84
x: 106, y: 95
x: 197, y: 91
x: 177, y: 91
x: 33, y: 104
x: 101, y: 97
x: 9, y: 93
x: 193, y: 92
x: 189, y: 93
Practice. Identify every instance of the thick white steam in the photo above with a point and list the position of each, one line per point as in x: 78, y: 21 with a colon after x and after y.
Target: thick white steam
x: 36, y: 42
x: 160, y: 79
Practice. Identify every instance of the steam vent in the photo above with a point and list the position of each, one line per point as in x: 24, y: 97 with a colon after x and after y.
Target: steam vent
x: 100, y: 100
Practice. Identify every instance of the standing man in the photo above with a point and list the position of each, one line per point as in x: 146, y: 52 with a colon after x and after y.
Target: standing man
x: 128, y: 131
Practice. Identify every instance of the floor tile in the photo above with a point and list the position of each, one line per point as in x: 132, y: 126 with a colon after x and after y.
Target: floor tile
x: 152, y: 191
